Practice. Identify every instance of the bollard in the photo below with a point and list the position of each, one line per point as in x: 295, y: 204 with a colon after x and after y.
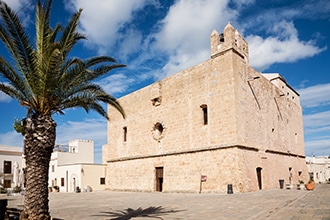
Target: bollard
x: 3, y: 207
x: 230, y: 189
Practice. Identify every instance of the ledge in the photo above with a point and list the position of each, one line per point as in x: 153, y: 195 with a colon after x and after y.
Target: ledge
x: 217, y: 147
x: 284, y: 153
x: 225, y: 51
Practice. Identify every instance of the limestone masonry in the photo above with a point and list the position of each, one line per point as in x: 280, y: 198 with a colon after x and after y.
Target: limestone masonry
x: 217, y: 123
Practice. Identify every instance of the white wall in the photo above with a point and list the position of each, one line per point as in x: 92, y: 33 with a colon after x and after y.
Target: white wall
x: 13, y: 154
x: 319, y: 167
x: 81, y: 151
x: 79, y: 175
x: 76, y: 167
x: 91, y: 176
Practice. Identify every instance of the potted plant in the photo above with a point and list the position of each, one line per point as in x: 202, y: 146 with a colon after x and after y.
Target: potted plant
x: 57, y: 188
x: 3, y: 190
x: 17, y: 189
x: 310, y: 185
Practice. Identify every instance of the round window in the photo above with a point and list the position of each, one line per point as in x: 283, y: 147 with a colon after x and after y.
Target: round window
x: 158, y: 131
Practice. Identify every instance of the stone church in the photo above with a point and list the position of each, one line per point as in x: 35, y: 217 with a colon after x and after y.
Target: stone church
x: 214, y: 126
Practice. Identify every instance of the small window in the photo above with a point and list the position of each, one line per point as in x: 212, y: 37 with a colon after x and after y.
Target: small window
x: 53, y: 168
x: 156, y: 101
x: 62, y: 181
x: 102, y: 180
x: 222, y: 38
x: 125, y: 133
x: 158, y: 131
x: 159, y: 128
x: 205, y: 119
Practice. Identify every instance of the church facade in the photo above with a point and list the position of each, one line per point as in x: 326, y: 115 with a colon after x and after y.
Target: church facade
x: 214, y: 125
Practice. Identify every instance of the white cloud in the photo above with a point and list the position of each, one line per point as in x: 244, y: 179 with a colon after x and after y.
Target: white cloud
x: 317, y: 120
x: 22, y: 7
x: 181, y: 61
x: 187, y: 22
x: 264, y: 16
x: 285, y: 47
x: 16, y: 4
x: 101, y: 20
x: 116, y: 83
x: 4, y: 97
x: 318, y: 147
x: 11, y: 138
x: 185, y: 31
x: 316, y: 124
x: 132, y: 43
x: 182, y: 37
x: 90, y: 129
x: 315, y: 96
x: 240, y: 3
x: 317, y: 129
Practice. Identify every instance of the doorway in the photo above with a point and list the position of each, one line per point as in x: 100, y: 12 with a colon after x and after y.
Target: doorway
x: 159, y: 179
x: 259, y: 177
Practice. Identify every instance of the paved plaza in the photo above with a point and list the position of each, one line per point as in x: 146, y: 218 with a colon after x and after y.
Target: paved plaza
x: 277, y: 204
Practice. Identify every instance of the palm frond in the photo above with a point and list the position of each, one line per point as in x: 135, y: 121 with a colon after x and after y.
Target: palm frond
x: 9, y: 74
x: 14, y: 37
x: 76, y: 71
x: 11, y: 91
x: 45, y: 80
x: 89, y: 95
x: 70, y: 37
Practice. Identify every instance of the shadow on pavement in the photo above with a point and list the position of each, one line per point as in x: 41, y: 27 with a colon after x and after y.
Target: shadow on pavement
x: 151, y: 212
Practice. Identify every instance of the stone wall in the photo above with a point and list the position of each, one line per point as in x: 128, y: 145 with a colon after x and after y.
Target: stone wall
x: 182, y: 172
x: 250, y: 125
x: 221, y: 166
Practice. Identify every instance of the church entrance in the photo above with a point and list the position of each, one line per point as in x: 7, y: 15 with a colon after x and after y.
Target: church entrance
x: 159, y: 179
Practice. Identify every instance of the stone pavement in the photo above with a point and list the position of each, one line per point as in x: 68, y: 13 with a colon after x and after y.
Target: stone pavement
x: 277, y: 204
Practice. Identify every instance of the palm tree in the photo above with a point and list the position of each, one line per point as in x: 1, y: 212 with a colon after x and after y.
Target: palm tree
x: 45, y: 80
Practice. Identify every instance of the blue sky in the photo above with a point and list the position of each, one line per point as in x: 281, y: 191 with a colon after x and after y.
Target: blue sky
x: 158, y: 38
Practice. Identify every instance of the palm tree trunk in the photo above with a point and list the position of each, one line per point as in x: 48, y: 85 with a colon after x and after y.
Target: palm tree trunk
x: 39, y: 141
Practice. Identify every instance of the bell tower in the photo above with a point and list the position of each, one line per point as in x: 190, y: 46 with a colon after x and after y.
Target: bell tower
x: 229, y: 40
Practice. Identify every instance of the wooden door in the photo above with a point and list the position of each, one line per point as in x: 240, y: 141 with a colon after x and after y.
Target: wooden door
x: 159, y: 179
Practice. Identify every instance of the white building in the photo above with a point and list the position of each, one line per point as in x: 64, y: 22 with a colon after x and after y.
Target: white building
x: 72, y: 166
x: 319, y: 168
x: 10, y: 166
